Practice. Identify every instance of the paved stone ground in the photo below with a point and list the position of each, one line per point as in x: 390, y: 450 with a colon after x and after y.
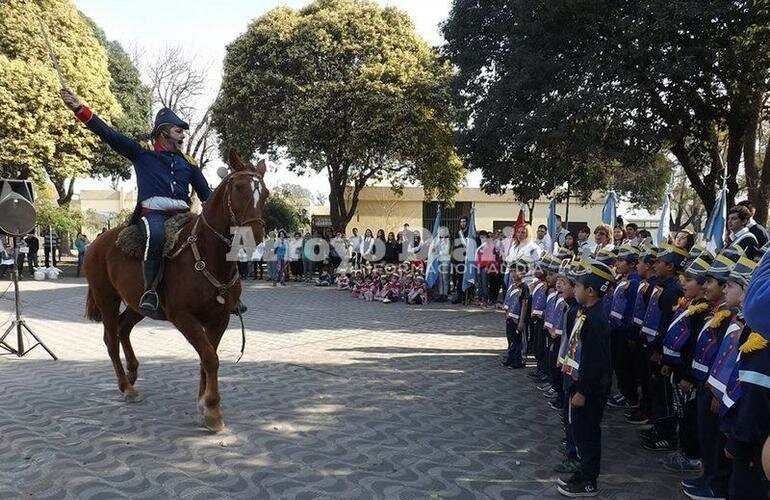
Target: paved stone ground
x: 335, y: 398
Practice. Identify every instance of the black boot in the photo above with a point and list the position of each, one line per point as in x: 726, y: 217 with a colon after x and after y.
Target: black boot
x: 149, y: 304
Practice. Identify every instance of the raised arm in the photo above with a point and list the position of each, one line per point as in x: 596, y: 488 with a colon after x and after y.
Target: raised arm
x: 124, y: 146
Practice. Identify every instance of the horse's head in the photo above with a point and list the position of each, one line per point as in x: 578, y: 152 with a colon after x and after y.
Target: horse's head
x: 245, y: 194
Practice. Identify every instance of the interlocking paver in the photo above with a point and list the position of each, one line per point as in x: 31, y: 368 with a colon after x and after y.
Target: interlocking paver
x: 334, y: 398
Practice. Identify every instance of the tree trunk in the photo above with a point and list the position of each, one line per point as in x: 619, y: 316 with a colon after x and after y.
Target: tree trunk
x: 65, y: 188
x: 702, y: 185
x: 758, y: 190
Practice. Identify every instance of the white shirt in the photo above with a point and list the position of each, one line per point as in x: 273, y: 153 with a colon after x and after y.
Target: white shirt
x: 531, y: 250
x: 163, y: 203
x: 355, y: 243
x: 366, y: 247
x: 545, y: 244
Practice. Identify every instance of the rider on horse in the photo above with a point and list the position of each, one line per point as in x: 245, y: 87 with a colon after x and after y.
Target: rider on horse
x: 163, y: 176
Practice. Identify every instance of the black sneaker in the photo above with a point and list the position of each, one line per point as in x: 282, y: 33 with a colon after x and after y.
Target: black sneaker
x: 556, y: 404
x: 650, y: 433
x: 575, y: 477
x: 534, y: 374
x: 579, y: 489
x: 660, y: 444
x: 544, y: 387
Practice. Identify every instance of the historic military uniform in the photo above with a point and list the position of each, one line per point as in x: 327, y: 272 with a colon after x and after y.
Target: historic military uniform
x: 588, y: 363
x: 163, y: 179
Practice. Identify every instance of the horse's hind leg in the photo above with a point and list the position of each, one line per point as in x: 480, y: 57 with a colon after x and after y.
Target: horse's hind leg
x: 126, y: 322
x: 110, y: 317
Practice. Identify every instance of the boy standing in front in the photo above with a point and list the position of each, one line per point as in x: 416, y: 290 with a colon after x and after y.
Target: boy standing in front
x: 588, y: 363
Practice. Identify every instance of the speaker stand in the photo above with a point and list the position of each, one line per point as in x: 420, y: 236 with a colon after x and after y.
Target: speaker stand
x: 19, y: 324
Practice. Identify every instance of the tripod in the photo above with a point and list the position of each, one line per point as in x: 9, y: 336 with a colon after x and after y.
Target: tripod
x: 18, y: 324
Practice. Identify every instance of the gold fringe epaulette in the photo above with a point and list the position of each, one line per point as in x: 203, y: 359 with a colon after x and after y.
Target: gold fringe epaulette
x: 683, y: 301
x: 697, y: 308
x: 754, y: 343
x: 719, y: 317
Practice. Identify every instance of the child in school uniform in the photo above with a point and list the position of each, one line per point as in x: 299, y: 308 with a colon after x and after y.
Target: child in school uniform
x: 637, y: 346
x: 418, y: 294
x: 516, y: 304
x: 588, y: 363
x: 621, y: 325
x: 550, y: 266
x: 538, y: 290
x: 553, y: 322
x: 750, y: 420
x: 566, y: 284
x: 716, y: 469
x: 391, y: 291
x: 678, y: 351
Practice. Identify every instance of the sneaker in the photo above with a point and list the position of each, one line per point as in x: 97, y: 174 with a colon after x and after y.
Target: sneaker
x: 648, y: 434
x: 637, y: 418
x: 550, y: 393
x: 695, y: 482
x: 579, y: 489
x: 702, y: 493
x: 568, y: 466
x: 659, y: 444
x: 534, y: 374
x: 386, y: 301
x: 556, y: 404
x: 544, y: 387
x: 620, y: 402
x: 677, y: 462
x: 575, y: 477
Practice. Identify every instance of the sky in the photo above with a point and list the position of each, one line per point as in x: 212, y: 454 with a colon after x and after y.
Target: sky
x: 204, y: 28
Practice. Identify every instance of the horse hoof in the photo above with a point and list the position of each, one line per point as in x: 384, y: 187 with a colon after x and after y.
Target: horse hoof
x: 214, y: 423
x: 131, y: 395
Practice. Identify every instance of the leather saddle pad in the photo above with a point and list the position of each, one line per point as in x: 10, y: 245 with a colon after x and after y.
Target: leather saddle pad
x: 131, y: 239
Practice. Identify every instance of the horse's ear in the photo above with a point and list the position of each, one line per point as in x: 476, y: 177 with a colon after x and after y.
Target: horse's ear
x: 235, y: 161
x: 261, y: 167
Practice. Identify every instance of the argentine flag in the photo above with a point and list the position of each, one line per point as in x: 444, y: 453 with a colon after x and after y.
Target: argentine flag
x: 610, y: 206
x: 714, y: 232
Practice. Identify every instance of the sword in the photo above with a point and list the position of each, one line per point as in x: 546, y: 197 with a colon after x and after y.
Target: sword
x: 52, y: 56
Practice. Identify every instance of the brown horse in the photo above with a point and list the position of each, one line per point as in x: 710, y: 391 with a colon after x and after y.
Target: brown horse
x: 199, y: 289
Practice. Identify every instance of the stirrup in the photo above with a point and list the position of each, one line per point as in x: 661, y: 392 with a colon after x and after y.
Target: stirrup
x: 149, y: 300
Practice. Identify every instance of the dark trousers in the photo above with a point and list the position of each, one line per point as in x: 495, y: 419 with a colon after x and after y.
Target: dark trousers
x: 32, y: 261
x: 20, y: 263
x: 748, y: 481
x: 81, y: 256
x: 587, y: 432
x: 259, y: 270
x: 642, y: 372
x: 514, y: 343
x: 553, y: 367
x: 539, y: 345
x: 154, y: 228
x: 662, y: 402
x: 688, y: 428
x: 54, y: 253
x: 716, y: 468
x: 571, y: 449
x: 243, y: 269
x: 622, y: 365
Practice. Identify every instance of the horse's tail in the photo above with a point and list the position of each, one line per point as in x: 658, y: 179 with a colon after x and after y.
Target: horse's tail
x: 92, y: 310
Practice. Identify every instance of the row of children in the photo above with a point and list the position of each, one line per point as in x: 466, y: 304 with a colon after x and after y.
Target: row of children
x: 404, y: 284
x: 686, y: 334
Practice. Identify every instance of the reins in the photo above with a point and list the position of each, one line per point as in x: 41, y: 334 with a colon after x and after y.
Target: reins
x: 200, y: 264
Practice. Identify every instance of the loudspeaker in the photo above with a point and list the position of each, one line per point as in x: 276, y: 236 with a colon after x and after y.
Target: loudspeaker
x: 17, y: 209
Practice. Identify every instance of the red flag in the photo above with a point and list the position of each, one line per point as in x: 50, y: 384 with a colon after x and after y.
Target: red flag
x: 519, y: 221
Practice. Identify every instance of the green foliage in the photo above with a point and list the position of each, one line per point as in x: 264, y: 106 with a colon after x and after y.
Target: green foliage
x: 38, y: 135
x: 62, y: 218
x: 282, y: 213
x: 593, y: 92
x: 343, y: 86
x: 133, y: 96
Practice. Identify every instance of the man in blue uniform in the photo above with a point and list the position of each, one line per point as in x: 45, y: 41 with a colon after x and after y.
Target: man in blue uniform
x: 163, y: 176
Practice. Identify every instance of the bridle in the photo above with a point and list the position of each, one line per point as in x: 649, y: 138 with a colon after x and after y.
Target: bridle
x: 192, y: 239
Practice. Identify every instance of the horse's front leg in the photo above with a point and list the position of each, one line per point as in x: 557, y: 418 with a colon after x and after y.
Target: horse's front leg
x: 209, y: 398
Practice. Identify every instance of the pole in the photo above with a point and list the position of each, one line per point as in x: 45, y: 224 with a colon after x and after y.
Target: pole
x: 15, y: 276
x: 566, y: 212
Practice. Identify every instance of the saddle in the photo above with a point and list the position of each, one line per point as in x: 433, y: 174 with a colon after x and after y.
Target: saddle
x: 132, y: 241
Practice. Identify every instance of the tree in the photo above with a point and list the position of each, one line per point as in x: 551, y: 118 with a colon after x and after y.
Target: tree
x: 345, y: 87
x: 133, y: 96
x: 38, y: 136
x: 280, y: 213
x: 599, y: 90
x: 179, y: 84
